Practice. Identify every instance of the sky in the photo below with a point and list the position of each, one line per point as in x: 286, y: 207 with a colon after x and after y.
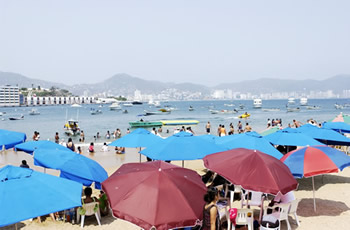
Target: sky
x: 198, y: 41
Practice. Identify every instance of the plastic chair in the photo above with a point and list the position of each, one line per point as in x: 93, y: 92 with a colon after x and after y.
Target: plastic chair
x: 241, y: 218
x: 293, y: 210
x: 89, y: 207
x: 256, y: 199
x: 281, y: 215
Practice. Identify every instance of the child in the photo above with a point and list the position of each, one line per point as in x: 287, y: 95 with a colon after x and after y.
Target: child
x: 91, y: 148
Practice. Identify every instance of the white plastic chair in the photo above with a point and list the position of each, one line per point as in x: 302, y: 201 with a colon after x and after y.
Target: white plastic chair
x: 89, y: 207
x: 243, y: 218
x: 281, y: 215
x: 255, y: 200
x: 293, y: 210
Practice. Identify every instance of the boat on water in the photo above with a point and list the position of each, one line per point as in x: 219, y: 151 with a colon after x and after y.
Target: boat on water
x: 223, y: 111
x: 75, y: 105
x: 245, y: 115
x: 95, y: 111
x: 16, y: 118
x: 157, y: 104
x: 128, y: 105
x: 291, y: 100
x: 2, y: 113
x: 141, y: 123
x: 303, y: 101
x: 270, y: 109
x: 257, y: 103
x: 71, y: 128
x: 290, y: 109
x: 190, y: 108
x: 34, y: 112
x: 115, y: 106
x: 136, y: 103
x: 159, y: 112
x: 213, y: 111
x: 337, y: 106
x: 312, y: 107
x: 179, y: 122
x: 229, y: 105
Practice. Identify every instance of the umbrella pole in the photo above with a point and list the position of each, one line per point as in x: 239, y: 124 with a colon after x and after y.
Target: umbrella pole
x: 313, y: 188
x: 183, y: 163
x: 16, y: 226
x: 140, y: 154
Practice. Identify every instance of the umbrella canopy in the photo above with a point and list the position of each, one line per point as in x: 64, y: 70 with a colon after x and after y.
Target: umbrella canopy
x: 31, y: 146
x: 182, y: 146
x: 138, y: 138
x: 27, y: 194
x: 253, y: 170
x: 341, y: 127
x: 285, y: 137
x: 341, y: 118
x: 156, y: 194
x: 8, y: 139
x: 315, y: 160
x: 328, y: 136
x: 73, y: 166
x: 250, y: 140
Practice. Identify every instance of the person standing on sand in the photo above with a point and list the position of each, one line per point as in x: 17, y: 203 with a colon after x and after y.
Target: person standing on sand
x: 207, y: 127
x: 240, y: 127
x: 223, y: 131
x: 57, y: 138
x: 219, y: 130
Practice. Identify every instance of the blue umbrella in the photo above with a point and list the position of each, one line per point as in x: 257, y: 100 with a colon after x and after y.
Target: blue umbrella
x: 182, y: 146
x: 210, y: 137
x: 283, y: 137
x: 31, y: 146
x: 26, y: 194
x: 250, y: 140
x: 72, y: 165
x: 328, y: 136
x: 341, y: 127
x: 8, y: 139
x: 138, y: 138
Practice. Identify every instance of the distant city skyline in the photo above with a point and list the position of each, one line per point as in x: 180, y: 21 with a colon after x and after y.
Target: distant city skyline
x: 203, y: 42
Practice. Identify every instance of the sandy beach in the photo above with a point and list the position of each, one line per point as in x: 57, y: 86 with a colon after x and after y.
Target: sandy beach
x: 332, y: 195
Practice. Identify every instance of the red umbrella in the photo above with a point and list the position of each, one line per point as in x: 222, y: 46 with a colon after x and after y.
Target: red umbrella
x: 156, y: 194
x: 253, y: 170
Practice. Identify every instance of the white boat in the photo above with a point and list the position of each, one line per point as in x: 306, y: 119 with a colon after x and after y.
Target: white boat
x: 128, y: 105
x: 303, y: 101
x: 229, y: 105
x: 291, y: 100
x: 296, y: 109
x: 71, y: 128
x: 115, y: 106
x: 159, y: 112
x: 16, y: 118
x: 95, y: 111
x: 34, y: 112
x: 271, y: 109
x: 312, y: 107
x: 257, y: 103
x: 337, y: 106
x: 157, y: 104
x: 75, y: 105
x: 212, y: 111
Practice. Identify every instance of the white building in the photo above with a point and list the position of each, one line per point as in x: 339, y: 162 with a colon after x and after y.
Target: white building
x: 9, y: 95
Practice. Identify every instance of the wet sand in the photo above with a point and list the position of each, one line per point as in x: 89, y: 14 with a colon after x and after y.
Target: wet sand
x: 332, y: 194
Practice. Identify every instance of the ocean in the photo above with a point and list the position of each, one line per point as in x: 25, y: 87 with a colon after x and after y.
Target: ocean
x: 52, y: 118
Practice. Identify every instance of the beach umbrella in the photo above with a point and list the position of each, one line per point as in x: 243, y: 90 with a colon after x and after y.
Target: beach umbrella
x: 137, y: 139
x: 340, y: 127
x: 253, y: 170
x: 315, y: 160
x: 31, y: 146
x: 327, y: 136
x: 249, y: 140
x: 291, y: 138
x: 182, y: 146
x: 26, y: 194
x: 8, y: 139
x: 156, y: 194
x: 341, y: 118
x: 72, y: 165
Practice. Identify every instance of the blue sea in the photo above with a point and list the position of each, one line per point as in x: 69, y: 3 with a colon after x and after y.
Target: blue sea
x: 52, y: 118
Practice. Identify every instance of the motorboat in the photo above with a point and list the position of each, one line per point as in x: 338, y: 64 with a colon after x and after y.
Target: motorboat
x: 159, y: 112
x: 337, y: 106
x: 128, y: 105
x: 95, y: 111
x: 75, y: 105
x: 136, y: 103
x: 291, y: 100
x: 213, y: 111
x: 16, y: 118
x: 115, y: 106
x: 71, y: 128
x: 290, y: 109
x: 270, y: 109
x: 179, y: 122
x: 303, y: 101
x: 229, y: 105
x: 312, y: 107
x: 257, y: 103
x: 34, y: 112
x: 142, y: 123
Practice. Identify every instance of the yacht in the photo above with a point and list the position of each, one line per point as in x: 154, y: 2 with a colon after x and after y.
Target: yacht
x: 257, y: 103
x: 291, y: 100
x: 34, y: 112
x: 303, y: 101
x: 115, y: 106
x: 128, y: 105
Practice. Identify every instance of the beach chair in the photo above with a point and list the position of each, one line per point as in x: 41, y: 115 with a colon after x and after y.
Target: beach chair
x: 256, y: 199
x: 90, y: 209
x: 242, y: 218
x: 238, y: 189
x: 293, y: 210
x: 281, y: 215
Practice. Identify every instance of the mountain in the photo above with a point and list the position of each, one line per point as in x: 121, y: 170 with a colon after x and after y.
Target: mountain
x: 264, y: 85
x: 7, y: 78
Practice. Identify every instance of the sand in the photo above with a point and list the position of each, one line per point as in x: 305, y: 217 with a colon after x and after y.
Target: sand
x: 332, y: 195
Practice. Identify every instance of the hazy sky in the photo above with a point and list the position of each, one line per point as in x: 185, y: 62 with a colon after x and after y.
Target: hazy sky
x: 208, y: 42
